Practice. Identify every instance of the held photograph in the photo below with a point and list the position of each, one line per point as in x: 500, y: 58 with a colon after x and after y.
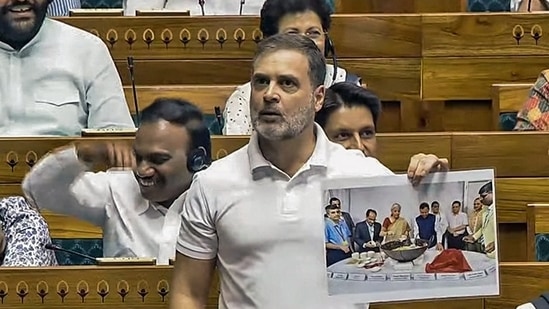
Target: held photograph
x: 387, y: 240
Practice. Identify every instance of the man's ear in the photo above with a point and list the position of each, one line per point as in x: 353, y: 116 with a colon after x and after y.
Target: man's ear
x: 319, y: 94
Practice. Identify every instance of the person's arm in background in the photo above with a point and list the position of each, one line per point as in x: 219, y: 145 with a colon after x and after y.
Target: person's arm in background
x: 196, y: 252
x: 26, y: 234
x: 534, y: 115
x: 237, y: 112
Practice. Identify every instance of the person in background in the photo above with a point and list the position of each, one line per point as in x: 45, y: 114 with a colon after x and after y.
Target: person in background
x: 23, y: 235
x: 534, y: 115
x: 310, y: 18
x: 62, y: 7
x: 441, y: 224
x: 345, y: 215
x: 349, y: 117
x: 138, y: 208
x: 55, y: 79
x: 475, y: 224
x: 210, y: 7
x: 457, y: 227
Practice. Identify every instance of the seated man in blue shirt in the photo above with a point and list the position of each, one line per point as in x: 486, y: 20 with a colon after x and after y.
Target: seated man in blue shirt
x: 55, y: 79
x: 23, y: 235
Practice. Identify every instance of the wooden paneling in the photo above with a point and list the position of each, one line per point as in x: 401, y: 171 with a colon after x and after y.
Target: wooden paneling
x: 520, y: 283
x: 512, y: 241
x: 389, y: 78
x: 471, y: 78
x: 510, y: 97
x: 399, y: 6
x: 395, y: 36
x: 206, y: 97
x: 537, y: 216
x: 513, y: 154
x: 487, y: 34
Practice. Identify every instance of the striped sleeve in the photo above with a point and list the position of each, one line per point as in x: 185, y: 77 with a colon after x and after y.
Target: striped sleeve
x: 62, y: 7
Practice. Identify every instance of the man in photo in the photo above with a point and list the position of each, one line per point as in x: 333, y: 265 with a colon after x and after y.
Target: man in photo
x: 486, y: 235
x: 457, y: 227
x: 338, y: 236
x: 425, y: 226
x: 366, y: 234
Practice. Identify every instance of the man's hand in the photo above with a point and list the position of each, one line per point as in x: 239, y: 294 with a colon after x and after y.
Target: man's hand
x: 422, y: 164
x: 439, y: 247
x: 111, y: 153
x: 469, y: 239
x: 490, y: 247
x: 345, y: 249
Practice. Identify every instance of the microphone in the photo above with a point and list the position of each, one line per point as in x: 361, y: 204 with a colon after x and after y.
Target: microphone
x: 242, y: 2
x: 56, y: 248
x: 219, y: 118
x: 201, y: 3
x: 132, y: 77
x: 165, y: 3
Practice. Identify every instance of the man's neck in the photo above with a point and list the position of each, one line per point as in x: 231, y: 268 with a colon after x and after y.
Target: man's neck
x: 289, y: 155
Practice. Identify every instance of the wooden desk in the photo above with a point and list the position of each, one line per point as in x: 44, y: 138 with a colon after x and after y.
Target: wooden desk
x: 520, y: 282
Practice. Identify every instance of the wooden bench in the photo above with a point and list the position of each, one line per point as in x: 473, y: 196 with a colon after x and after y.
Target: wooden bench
x: 206, y: 97
x: 520, y: 283
x: 518, y: 183
x: 508, y: 98
x: 537, y: 216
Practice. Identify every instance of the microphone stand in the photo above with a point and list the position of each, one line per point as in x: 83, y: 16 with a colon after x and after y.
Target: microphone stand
x: 242, y: 2
x: 201, y: 3
x: 56, y: 248
x: 134, y: 91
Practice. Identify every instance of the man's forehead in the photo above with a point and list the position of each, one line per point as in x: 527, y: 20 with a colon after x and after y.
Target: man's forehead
x: 161, y: 135
x: 280, y: 60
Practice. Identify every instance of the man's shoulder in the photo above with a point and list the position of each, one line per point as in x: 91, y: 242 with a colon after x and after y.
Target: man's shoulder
x: 353, y: 162
x: 73, y: 35
x: 232, y: 166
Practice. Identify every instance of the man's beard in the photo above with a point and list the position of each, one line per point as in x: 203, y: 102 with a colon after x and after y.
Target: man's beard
x: 19, y: 33
x: 289, y: 128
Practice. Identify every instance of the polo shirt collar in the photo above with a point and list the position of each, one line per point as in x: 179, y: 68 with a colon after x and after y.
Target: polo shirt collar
x: 319, y: 157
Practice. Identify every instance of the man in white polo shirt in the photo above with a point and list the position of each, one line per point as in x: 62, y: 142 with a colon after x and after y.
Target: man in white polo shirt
x: 257, y: 213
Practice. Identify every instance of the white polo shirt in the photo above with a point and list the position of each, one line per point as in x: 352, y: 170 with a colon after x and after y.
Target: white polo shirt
x: 132, y: 226
x: 265, y: 228
x: 211, y: 7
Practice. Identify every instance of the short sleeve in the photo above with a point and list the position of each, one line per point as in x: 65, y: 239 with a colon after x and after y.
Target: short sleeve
x: 197, y: 235
x: 237, y: 112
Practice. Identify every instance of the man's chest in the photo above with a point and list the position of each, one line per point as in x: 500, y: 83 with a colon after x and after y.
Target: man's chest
x: 267, y: 215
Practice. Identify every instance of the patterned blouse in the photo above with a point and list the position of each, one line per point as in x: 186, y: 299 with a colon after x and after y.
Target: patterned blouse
x: 26, y: 234
x: 534, y: 115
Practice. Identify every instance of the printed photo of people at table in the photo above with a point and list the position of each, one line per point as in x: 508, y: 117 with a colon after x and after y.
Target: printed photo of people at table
x: 387, y: 240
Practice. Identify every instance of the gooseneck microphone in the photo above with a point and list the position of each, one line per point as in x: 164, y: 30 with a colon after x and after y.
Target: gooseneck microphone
x: 201, y: 3
x: 56, y: 248
x: 134, y: 91
x: 242, y: 2
x: 219, y: 118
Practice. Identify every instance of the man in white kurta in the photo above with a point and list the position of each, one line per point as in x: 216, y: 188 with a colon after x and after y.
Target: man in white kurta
x: 55, y: 79
x: 211, y: 7
x: 138, y: 210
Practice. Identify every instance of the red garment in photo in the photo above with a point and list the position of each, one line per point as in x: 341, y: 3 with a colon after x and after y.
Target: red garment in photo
x: 448, y: 261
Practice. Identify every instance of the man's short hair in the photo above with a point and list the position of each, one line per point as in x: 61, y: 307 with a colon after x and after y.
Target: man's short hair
x: 301, y: 44
x: 424, y: 205
x: 345, y: 94
x: 274, y: 10
x: 487, y: 188
x: 369, y: 211
x: 181, y: 113
x: 456, y: 202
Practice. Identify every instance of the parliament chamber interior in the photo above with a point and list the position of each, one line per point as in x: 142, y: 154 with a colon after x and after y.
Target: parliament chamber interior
x: 451, y: 76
